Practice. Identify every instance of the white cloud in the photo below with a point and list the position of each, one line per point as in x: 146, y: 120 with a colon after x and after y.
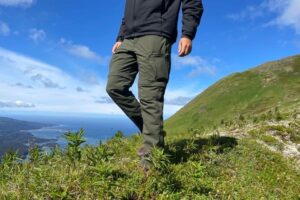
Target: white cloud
x: 186, y: 91
x: 46, y: 82
x: 83, y: 51
x: 49, y: 87
x: 175, y: 99
x: 29, y: 84
x: 4, y: 29
x: 18, y: 84
x: 37, y: 35
x: 287, y: 13
x: 25, y: 3
x: 197, y: 65
x: 251, y: 12
x: 79, y: 89
x: 104, y: 100
x: 15, y: 104
x: 178, y: 100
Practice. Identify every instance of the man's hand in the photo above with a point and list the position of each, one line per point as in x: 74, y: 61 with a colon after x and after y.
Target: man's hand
x: 116, y: 46
x: 185, y: 46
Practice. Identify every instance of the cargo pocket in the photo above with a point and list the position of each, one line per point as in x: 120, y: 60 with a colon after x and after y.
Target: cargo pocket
x: 161, y: 66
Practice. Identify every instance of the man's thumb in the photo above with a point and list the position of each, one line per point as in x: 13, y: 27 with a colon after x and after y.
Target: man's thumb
x: 114, y: 49
x: 179, y: 46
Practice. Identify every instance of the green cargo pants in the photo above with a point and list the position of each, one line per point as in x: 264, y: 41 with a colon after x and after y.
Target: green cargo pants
x: 150, y: 56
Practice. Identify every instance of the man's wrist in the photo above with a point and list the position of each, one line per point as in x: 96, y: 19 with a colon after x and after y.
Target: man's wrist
x: 186, y: 36
x: 119, y: 39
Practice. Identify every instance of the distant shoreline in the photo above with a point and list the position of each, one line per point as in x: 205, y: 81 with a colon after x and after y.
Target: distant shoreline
x: 48, y: 131
x: 16, y: 135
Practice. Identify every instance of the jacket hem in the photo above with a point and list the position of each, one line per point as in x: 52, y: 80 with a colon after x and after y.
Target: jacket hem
x: 133, y: 35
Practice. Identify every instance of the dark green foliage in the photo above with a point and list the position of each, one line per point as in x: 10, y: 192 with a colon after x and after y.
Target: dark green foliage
x: 295, y: 114
x: 160, y: 161
x: 241, y: 118
x: 98, y: 154
x: 74, y: 141
x: 34, y: 153
x: 119, y: 134
x: 10, y: 159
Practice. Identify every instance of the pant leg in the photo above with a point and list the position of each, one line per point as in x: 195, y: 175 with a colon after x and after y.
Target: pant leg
x: 154, y: 61
x: 122, y: 72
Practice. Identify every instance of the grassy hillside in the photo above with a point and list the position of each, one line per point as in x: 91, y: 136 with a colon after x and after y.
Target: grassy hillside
x: 192, y: 167
x: 239, y: 139
x: 274, y: 84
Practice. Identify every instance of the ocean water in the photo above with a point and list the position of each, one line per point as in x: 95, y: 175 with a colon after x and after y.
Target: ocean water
x: 97, y: 128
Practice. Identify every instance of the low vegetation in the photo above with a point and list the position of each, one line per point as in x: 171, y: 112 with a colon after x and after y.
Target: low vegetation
x: 196, y: 164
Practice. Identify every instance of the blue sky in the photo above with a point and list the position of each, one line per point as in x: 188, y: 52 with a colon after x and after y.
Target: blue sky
x: 54, y: 55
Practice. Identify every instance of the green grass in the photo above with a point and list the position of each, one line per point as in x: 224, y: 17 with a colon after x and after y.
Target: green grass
x: 212, y: 167
x: 275, y: 84
x: 267, y: 138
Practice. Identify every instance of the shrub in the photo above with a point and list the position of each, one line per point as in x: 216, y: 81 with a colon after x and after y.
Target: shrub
x: 74, y: 141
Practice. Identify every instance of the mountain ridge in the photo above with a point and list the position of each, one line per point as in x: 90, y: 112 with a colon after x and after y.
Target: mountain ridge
x: 254, y: 91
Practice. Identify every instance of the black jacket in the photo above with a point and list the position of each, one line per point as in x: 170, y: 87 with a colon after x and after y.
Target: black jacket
x: 160, y: 17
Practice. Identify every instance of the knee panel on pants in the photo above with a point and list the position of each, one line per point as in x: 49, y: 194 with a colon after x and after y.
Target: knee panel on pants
x: 117, y: 83
x: 151, y: 93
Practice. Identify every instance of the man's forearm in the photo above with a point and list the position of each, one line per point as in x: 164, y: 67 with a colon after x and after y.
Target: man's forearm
x: 192, y: 12
x: 120, y: 36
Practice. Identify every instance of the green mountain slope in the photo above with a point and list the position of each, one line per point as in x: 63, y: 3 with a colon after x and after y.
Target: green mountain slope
x: 274, y: 84
x: 256, y: 156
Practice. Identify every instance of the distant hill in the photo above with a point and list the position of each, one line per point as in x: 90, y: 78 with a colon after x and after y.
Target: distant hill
x: 273, y: 84
x: 15, y: 135
x: 8, y: 124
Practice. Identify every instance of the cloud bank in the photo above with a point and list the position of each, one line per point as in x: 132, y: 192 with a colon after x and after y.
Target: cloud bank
x: 37, y: 35
x: 83, y: 51
x: 32, y: 85
x: 47, y: 87
x: 287, y: 13
x: 198, y: 65
x: 16, y: 3
x: 15, y: 104
x: 4, y: 29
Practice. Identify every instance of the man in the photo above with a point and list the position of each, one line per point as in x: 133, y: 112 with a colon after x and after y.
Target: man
x: 146, y: 35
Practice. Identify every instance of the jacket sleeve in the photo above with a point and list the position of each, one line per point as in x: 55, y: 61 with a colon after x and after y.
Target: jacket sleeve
x: 120, y: 36
x: 192, y: 12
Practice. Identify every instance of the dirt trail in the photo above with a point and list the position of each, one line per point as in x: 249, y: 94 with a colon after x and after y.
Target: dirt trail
x: 288, y: 148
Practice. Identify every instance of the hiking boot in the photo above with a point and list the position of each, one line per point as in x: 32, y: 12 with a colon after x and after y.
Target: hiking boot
x: 142, y: 152
x: 145, y: 163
